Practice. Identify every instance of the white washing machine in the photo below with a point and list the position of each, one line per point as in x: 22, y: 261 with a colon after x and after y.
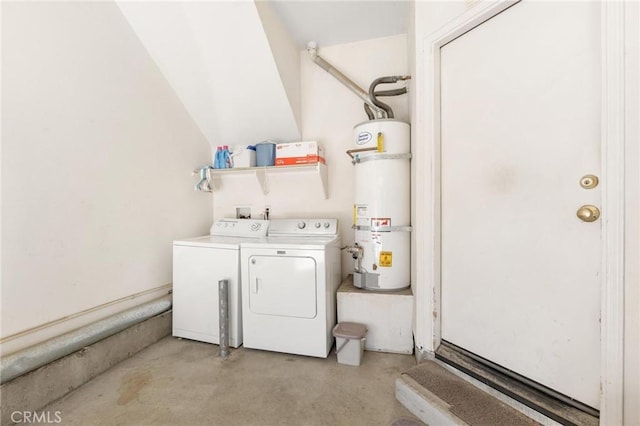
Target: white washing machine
x: 198, y: 265
x: 289, y: 284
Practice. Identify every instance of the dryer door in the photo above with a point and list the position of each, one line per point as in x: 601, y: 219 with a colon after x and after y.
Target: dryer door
x: 282, y: 286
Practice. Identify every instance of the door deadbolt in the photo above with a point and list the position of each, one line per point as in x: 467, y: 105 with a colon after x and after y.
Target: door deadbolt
x: 589, y: 181
x: 588, y: 213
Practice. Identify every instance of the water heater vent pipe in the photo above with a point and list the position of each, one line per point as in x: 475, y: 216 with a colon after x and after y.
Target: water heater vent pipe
x: 312, y: 48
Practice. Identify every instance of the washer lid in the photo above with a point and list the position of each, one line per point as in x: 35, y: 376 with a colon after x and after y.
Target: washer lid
x: 214, y: 241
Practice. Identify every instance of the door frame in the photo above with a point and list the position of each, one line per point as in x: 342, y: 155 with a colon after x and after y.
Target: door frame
x: 427, y: 197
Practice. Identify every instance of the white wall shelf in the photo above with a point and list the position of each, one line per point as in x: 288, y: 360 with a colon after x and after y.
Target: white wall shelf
x: 217, y: 176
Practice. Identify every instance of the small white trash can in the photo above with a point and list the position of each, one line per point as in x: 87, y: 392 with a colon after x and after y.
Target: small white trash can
x: 350, y: 338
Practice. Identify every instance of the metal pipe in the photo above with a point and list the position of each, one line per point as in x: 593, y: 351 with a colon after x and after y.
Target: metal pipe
x: 312, y: 48
x: 381, y: 80
x: 393, y: 92
x: 350, y: 152
x: 29, y: 359
x: 223, y: 317
x: 369, y: 112
x: 357, y: 253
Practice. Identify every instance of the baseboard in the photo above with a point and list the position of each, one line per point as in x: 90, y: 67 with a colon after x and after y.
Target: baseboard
x: 34, y: 390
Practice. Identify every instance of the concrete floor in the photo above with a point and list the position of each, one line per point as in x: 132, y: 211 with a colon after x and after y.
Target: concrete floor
x: 184, y: 382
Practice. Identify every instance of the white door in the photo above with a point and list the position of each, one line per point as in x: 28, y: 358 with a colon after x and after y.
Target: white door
x: 283, y: 286
x: 520, y: 121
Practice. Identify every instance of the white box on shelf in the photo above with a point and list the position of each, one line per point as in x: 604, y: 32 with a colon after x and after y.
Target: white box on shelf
x: 306, y: 152
x: 243, y: 157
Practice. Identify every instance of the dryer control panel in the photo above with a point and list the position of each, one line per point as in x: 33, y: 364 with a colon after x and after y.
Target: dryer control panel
x: 240, y: 228
x: 303, y: 227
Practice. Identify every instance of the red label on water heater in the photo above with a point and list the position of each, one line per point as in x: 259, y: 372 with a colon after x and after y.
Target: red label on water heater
x: 377, y: 222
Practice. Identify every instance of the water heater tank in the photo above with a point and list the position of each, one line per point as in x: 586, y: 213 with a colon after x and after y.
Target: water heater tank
x: 381, y: 212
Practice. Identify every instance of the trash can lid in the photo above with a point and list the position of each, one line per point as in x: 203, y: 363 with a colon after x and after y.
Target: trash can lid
x: 350, y: 330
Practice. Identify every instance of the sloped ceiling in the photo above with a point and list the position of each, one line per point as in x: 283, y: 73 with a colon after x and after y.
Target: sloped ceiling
x: 235, y: 65
x: 217, y: 57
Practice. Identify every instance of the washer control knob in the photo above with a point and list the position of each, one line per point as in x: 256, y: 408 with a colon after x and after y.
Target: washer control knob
x: 318, y: 225
x: 327, y: 224
x: 301, y: 225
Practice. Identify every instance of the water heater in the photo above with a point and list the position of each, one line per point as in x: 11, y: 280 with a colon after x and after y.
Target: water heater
x: 381, y: 211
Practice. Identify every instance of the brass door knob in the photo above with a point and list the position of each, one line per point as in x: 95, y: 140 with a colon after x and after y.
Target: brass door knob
x: 588, y: 213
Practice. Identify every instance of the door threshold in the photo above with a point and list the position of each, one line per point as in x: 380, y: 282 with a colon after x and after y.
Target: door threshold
x: 532, y: 395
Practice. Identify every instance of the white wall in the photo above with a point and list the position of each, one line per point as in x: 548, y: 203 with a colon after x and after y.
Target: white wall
x: 97, y: 154
x: 329, y: 112
x: 632, y: 218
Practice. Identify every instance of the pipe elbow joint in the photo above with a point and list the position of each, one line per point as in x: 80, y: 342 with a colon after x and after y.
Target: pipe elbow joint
x: 312, y: 49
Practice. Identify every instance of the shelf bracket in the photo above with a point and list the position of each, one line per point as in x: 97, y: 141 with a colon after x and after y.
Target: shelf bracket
x: 261, y: 175
x: 323, y: 180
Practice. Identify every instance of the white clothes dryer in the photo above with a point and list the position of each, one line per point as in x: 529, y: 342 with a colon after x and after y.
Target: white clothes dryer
x: 198, y: 265
x: 289, y: 285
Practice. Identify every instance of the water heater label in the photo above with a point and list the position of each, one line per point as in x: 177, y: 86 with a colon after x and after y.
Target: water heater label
x: 386, y: 258
x: 377, y: 222
x: 363, y: 138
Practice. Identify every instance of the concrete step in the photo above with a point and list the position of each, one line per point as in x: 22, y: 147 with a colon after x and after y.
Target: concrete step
x: 439, y: 397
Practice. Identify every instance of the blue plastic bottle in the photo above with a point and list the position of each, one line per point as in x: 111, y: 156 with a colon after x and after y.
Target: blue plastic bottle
x: 217, y: 158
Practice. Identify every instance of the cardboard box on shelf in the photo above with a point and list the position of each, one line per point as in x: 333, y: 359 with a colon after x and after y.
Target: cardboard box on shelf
x: 291, y: 153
